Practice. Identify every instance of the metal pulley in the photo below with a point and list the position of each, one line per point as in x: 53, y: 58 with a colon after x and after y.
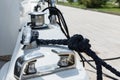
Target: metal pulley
x: 37, y: 20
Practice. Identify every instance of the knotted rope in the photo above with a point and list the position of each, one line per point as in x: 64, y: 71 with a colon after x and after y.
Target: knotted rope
x: 80, y: 44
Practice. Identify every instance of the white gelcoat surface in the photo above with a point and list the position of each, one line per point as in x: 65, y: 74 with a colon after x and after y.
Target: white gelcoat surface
x: 9, y: 25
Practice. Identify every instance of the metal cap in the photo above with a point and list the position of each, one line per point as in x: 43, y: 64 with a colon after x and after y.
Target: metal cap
x: 37, y: 13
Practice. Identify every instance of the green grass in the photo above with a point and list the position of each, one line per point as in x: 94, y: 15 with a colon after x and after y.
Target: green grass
x: 76, y: 5
x: 108, y: 8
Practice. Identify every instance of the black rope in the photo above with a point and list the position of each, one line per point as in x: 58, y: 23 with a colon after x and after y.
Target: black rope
x: 107, y: 66
x: 51, y: 42
x: 107, y: 59
x: 106, y: 75
x: 55, y: 11
x: 82, y: 59
x: 99, y: 67
x: 80, y: 44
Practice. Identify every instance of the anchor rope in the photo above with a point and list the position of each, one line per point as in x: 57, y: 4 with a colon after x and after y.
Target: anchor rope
x: 61, y: 20
x: 80, y: 44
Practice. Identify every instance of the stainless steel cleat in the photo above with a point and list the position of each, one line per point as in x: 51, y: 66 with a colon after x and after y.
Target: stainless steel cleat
x: 26, y: 64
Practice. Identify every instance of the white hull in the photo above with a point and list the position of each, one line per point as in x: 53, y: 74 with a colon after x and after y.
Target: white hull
x: 9, y: 25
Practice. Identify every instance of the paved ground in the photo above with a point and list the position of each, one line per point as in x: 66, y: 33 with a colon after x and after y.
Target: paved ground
x: 102, y: 29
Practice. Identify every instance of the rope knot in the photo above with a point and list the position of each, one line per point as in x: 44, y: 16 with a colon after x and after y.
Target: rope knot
x: 78, y: 43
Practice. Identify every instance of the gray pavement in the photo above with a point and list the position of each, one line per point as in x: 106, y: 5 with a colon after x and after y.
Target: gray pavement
x: 102, y: 29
